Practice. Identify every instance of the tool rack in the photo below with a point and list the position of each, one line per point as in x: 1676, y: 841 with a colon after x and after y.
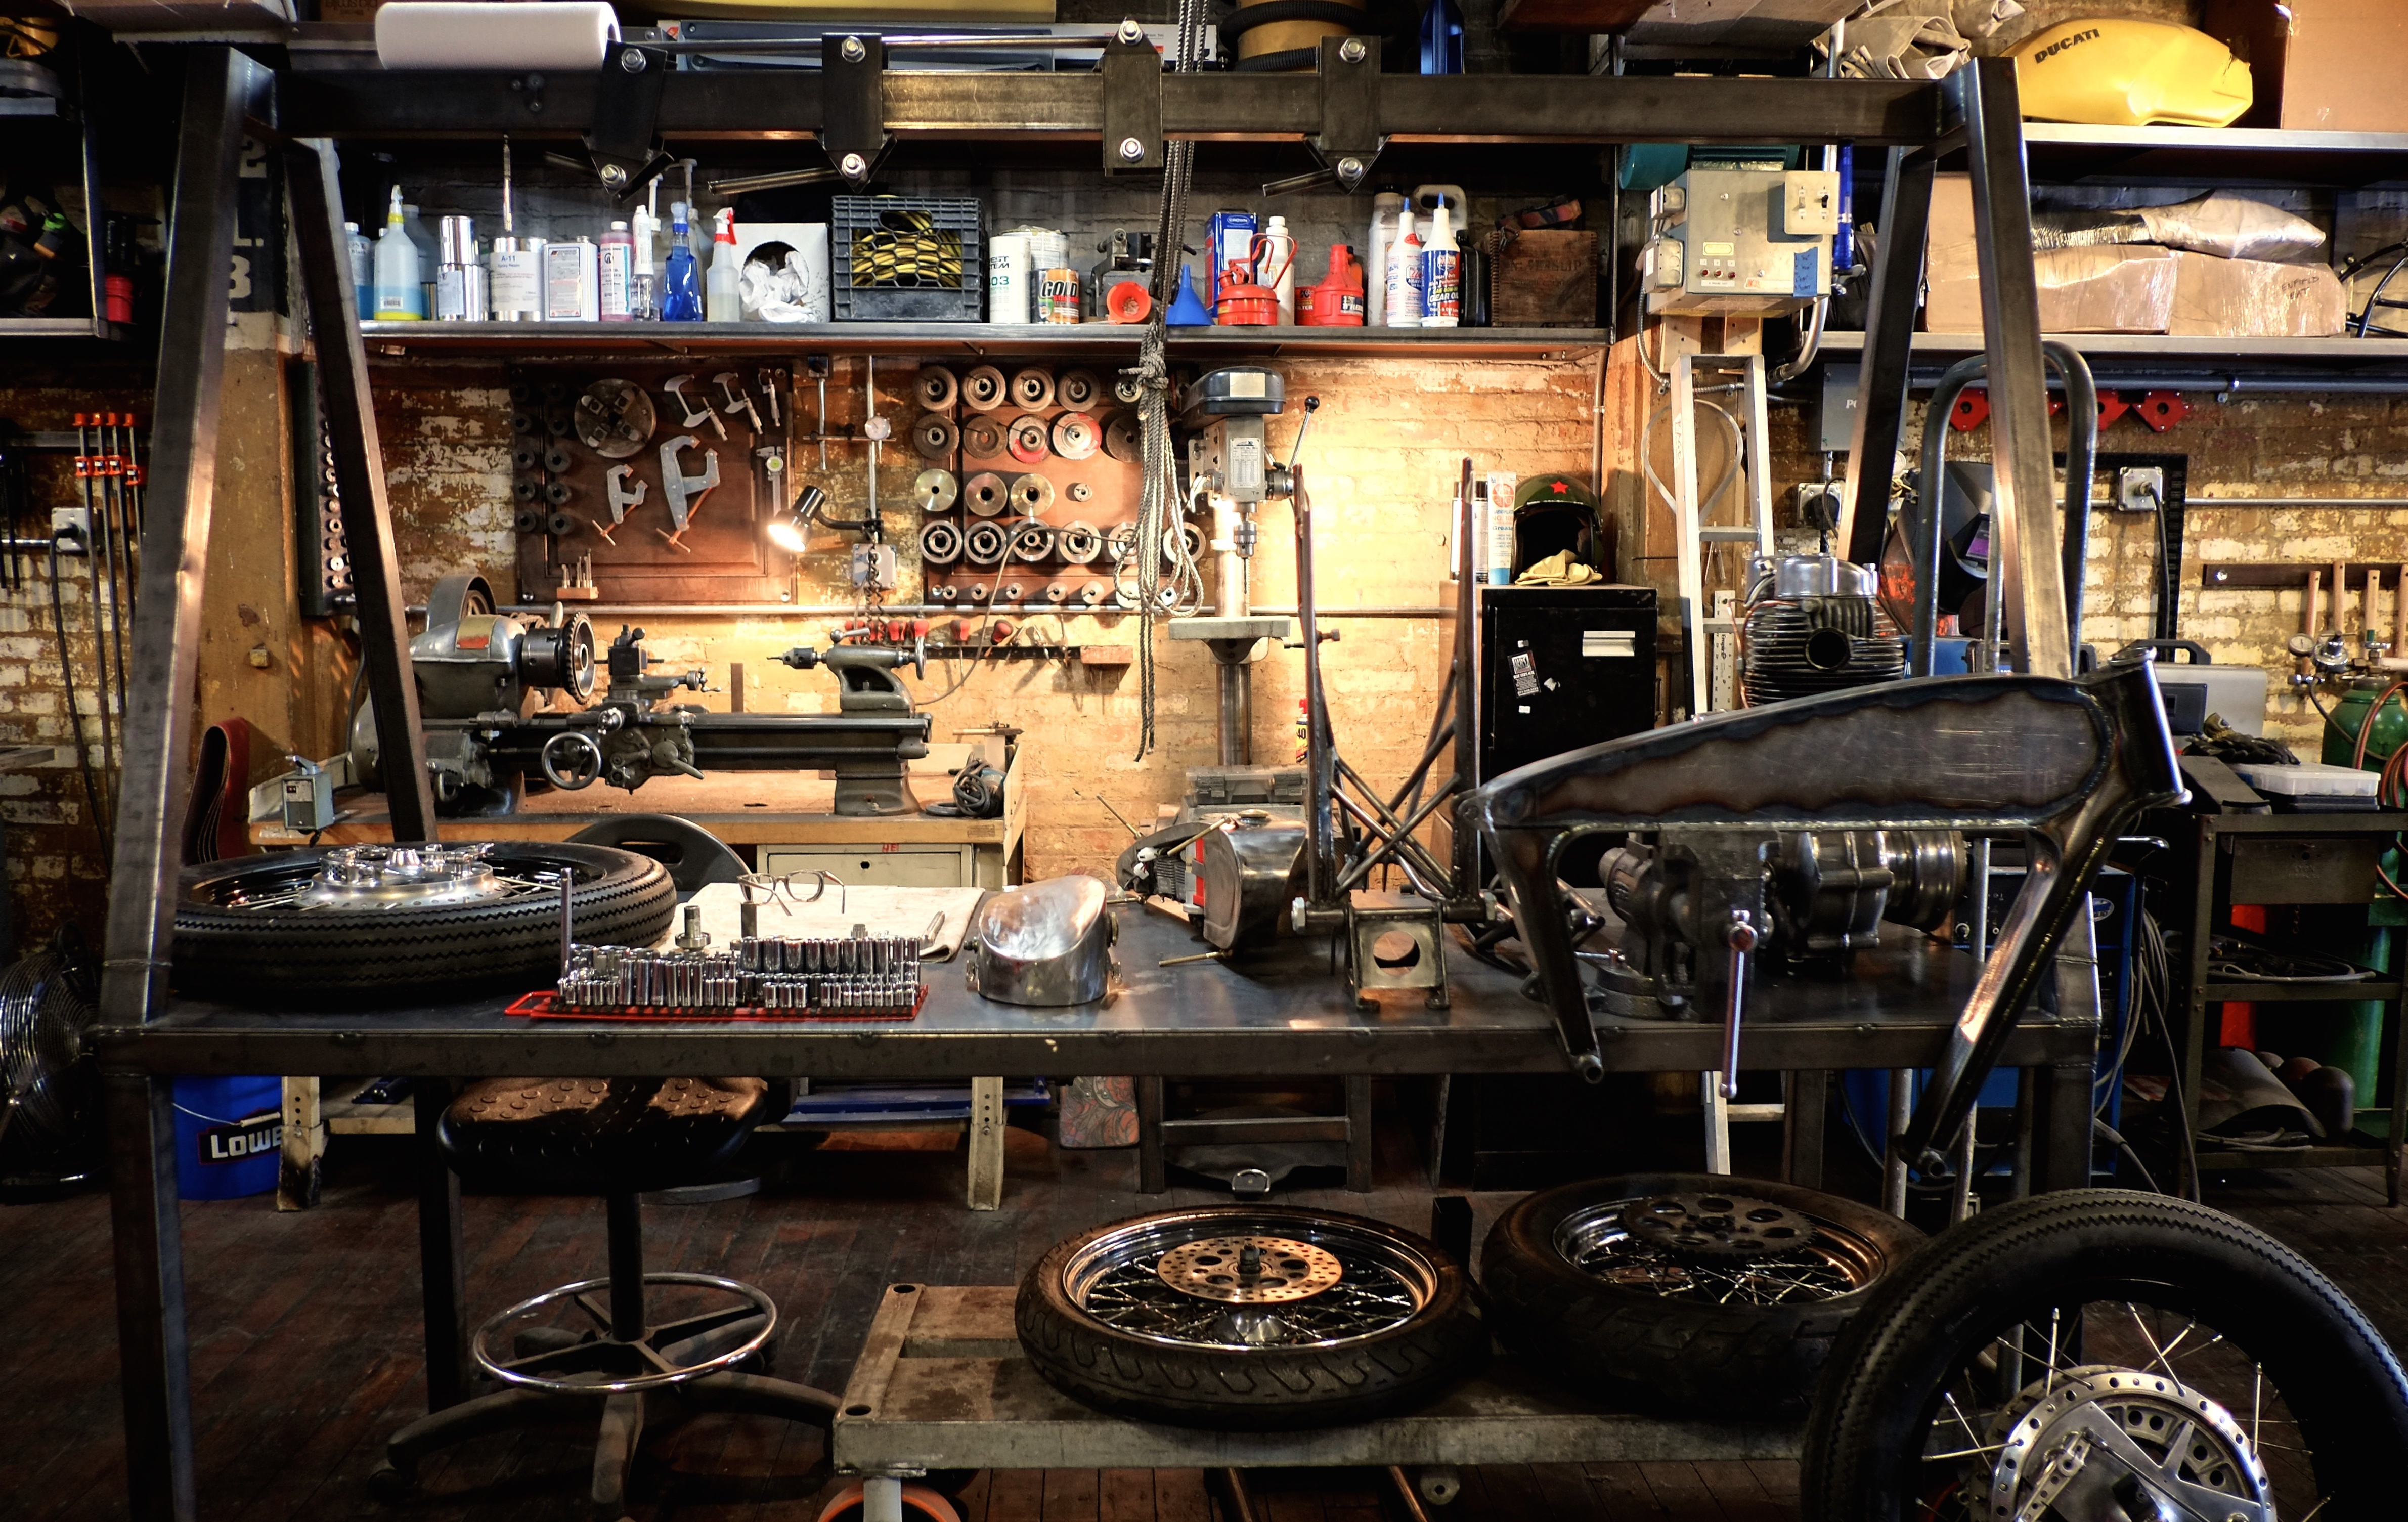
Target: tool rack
x: 1347, y: 112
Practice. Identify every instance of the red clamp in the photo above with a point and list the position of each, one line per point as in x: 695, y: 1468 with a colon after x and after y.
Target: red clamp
x: 1972, y: 411
x: 2112, y: 406
x: 2162, y: 409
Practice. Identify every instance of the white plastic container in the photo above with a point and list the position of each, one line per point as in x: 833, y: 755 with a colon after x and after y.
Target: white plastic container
x: 618, y: 274
x: 400, y: 288
x: 1384, y: 207
x: 722, y: 299
x: 572, y: 282
x: 1007, y: 277
x: 363, y: 255
x: 1404, y: 291
x: 1442, y: 274
x: 1279, y: 262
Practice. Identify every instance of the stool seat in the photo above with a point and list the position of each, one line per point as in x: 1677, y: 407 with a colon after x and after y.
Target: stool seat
x: 598, y: 1135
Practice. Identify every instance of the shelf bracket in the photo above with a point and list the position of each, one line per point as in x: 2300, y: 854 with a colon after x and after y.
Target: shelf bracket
x: 1132, y: 80
x: 853, y: 70
x: 625, y: 142
x: 1350, y: 140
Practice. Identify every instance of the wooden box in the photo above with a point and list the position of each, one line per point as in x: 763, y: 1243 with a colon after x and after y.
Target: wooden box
x: 1545, y: 278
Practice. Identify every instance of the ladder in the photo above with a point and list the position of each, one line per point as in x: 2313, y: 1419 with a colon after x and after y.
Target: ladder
x: 1701, y: 623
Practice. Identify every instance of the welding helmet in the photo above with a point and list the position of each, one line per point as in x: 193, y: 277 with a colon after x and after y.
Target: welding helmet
x: 2116, y: 73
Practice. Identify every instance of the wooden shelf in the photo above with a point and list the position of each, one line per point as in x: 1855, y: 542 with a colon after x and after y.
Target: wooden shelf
x: 529, y: 340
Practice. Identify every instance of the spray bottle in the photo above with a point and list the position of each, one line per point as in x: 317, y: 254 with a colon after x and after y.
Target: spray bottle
x: 643, y: 284
x: 1442, y: 274
x: 725, y: 303
x: 1384, y: 207
x: 680, y: 290
x: 1405, y: 273
x: 400, y: 296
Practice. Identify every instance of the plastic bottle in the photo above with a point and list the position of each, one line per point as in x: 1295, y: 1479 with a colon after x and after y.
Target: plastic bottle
x: 363, y: 255
x: 727, y: 303
x: 1338, y: 300
x: 618, y: 255
x: 429, y: 256
x: 1277, y: 268
x: 572, y: 282
x: 680, y: 287
x: 1404, y: 274
x: 400, y: 294
x: 1442, y: 274
x: 643, y: 282
x: 1384, y: 207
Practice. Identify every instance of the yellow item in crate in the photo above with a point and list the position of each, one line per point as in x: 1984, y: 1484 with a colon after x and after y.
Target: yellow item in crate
x: 2112, y: 73
x: 909, y: 252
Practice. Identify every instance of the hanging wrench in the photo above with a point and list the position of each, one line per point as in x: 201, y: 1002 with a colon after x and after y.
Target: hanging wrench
x: 684, y: 493
x: 731, y: 387
x: 675, y: 386
x: 622, y: 501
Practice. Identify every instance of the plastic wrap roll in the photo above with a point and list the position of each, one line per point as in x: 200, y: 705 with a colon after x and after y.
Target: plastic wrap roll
x: 463, y: 34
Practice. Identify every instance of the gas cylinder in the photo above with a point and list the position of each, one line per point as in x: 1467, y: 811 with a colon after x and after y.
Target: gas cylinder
x: 1338, y: 300
x: 2390, y: 726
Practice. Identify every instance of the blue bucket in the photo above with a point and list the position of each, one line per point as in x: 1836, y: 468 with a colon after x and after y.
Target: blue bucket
x: 228, y: 1134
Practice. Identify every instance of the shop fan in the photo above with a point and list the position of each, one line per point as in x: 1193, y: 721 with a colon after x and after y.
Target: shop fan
x: 48, y: 1099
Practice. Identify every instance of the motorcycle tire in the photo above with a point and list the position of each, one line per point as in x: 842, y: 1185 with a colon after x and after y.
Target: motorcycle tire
x: 1395, y: 1329
x: 418, y: 953
x: 1682, y: 1334
x: 2253, y: 1300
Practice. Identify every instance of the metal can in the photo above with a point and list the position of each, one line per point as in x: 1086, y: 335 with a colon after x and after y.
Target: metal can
x: 1057, y: 293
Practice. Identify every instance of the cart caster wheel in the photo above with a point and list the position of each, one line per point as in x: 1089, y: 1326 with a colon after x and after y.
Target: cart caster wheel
x: 388, y: 1483
x: 1438, y: 1487
x: 921, y: 1503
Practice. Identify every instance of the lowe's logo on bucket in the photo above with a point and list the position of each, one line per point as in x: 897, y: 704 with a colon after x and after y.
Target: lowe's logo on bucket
x: 249, y: 1137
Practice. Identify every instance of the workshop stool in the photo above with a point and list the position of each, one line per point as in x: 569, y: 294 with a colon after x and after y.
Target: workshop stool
x: 616, y: 1138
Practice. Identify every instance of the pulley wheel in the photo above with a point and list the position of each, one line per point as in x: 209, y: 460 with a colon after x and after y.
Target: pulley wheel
x: 614, y: 418
x: 1077, y: 390
x: 1028, y: 440
x: 935, y: 438
x: 526, y: 488
x: 557, y: 494
x: 944, y: 592
x: 1077, y: 544
x: 985, y: 544
x: 936, y: 388
x: 977, y: 593
x: 557, y: 460
x: 1122, y: 439
x: 982, y: 438
x: 1191, y: 540
x: 1076, y: 436
x: 1031, y: 542
x: 558, y: 523
x: 1129, y: 389
x: 984, y: 389
x: 936, y: 491
x: 1032, y: 390
x: 560, y: 421
x: 1091, y: 594
x: 526, y: 456
x: 1056, y: 593
x: 986, y: 494
x: 940, y: 542
x: 1717, y: 1226
x: 1119, y: 542
x: 1032, y: 494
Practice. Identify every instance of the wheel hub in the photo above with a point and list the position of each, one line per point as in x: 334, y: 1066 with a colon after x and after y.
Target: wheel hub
x: 402, y: 877
x: 1717, y: 1226
x: 2104, y: 1442
x: 1250, y: 1270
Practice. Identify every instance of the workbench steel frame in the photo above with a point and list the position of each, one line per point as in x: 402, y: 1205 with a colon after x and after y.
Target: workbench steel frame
x: 1346, y: 109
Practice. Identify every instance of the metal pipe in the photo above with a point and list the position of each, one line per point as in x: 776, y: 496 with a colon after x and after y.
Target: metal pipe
x: 1317, y: 780
x: 2081, y: 465
x: 842, y: 610
x: 1236, y: 712
x: 1467, y: 687
x: 1931, y: 519
x: 2196, y: 502
x: 1902, y: 1109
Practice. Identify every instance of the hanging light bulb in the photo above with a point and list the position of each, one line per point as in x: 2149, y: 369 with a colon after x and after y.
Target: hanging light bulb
x: 789, y: 529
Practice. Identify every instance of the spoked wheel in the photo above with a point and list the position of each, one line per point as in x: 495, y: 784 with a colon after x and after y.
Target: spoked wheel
x: 425, y: 922
x: 1694, y: 1291
x: 2099, y: 1355
x: 1249, y: 1317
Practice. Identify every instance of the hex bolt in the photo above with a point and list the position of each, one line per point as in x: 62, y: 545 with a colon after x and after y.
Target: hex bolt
x: 1352, y: 49
x: 1350, y: 169
x: 613, y: 175
x: 851, y: 51
x: 1132, y: 149
x: 1131, y: 30
x: 854, y: 167
x: 632, y: 60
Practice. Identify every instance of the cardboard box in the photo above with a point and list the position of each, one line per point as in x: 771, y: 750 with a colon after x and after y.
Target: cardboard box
x: 2319, y: 65
x: 2250, y: 298
x: 2112, y: 288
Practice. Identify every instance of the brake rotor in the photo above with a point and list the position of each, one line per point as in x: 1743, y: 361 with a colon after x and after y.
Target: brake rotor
x: 1077, y: 390
x: 982, y: 438
x: 1122, y: 440
x: 383, y: 876
x: 1076, y: 436
x: 2103, y: 1430
x: 614, y: 418
x: 936, y: 491
x: 1032, y: 494
x: 1027, y: 440
x: 1032, y: 390
x: 936, y: 388
x: 986, y: 494
x: 1250, y: 1270
x: 984, y: 389
x: 1717, y: 1226
x: 935, y: 436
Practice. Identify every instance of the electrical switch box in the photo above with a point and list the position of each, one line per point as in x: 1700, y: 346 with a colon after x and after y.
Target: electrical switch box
x: 1751, y: 238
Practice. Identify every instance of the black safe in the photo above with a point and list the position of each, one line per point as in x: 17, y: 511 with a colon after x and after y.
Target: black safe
x: 1561, y: 667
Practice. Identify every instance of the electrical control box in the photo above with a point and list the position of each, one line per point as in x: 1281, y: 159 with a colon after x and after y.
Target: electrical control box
x: 1751, y: 238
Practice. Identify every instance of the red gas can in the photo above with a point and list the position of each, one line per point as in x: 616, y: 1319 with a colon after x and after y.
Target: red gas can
x: 1338, y: 300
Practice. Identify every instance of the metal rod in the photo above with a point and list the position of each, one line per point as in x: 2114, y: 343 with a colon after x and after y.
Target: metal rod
x: 1889, y: 339
x: 1902, y: 1109
x: 1318, y: 825
x: 1466, y: 680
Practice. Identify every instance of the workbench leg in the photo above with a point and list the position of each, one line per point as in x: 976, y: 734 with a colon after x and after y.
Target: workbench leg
x: 153, y: 1347
x: 986, y: 1143
x: 305, y: 1145
x: 2064, y: 1102
x: 1360, y: 1145
x: 442, y: 1264
x: 1153, y: 1177
x: 1803, y: 1116
x: 881, y: 1498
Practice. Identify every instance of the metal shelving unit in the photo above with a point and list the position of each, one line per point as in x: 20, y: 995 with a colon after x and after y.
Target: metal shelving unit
x: 394, y: 341
x: 2065, y: 153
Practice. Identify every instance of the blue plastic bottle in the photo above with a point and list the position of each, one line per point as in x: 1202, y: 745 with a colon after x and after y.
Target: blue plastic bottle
x: 680, y: 283
x: 1442, y: 37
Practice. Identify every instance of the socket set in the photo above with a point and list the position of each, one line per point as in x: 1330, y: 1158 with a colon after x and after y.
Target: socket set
x: 859, y: 976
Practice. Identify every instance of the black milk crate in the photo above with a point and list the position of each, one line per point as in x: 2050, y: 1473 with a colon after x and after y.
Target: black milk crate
x: 908, y: 259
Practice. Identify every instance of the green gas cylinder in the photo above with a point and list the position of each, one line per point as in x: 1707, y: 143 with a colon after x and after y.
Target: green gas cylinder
x: 2390, y: 726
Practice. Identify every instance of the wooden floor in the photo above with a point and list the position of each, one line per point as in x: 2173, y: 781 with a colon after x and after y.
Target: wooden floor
x: 304, y: 1352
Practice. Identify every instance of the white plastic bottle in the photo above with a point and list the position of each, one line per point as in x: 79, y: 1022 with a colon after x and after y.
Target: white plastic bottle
x: 722, y: 297
x: 1384, y: 207
x: 1279, y: 262
x: 617, y: 299
x: 400, y: 293
x: 643, y: 291
x: 362, y: 254
x: 1442, y: 274
x: 1404, y: 274
x: 430, y: 258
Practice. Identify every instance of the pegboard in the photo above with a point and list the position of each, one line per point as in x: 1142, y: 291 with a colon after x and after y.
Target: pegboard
x: 1016, y: 455
x: 571, y: 427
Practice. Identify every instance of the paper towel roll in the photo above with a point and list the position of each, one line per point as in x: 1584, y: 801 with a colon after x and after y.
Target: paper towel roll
x: 511, y: 34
